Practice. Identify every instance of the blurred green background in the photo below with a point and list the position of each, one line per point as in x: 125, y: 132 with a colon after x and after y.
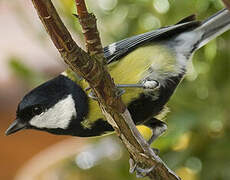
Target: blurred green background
x: 197, y: 143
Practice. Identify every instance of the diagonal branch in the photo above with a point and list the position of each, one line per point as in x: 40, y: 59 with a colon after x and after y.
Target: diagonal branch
x: 91, y: 68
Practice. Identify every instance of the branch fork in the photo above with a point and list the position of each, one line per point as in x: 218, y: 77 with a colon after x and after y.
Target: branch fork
x: 90, y: 65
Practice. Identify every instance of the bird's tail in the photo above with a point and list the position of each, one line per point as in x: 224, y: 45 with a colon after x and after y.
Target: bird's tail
x: 213, y: 27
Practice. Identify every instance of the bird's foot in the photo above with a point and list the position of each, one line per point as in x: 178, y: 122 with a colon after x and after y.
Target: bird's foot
x: 92, y: 95
x: 119, y: 93
x: 140, y: 172
x: 156, y: 151
x: 147, y: 84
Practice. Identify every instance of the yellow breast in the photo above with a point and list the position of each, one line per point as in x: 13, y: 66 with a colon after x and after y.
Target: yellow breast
x: 131, y: 69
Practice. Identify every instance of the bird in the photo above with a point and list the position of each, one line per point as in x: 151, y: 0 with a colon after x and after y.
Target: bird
x: 147, y: 67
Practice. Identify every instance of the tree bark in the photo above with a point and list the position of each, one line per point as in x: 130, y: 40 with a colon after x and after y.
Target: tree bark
x: 226, y: 3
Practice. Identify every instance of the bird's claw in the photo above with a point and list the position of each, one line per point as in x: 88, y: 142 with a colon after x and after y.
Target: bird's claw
x: 92, y: 95
x: 156, y: 151
x: 120, y: 92
x: 132, y: 165
x: 140, y: 172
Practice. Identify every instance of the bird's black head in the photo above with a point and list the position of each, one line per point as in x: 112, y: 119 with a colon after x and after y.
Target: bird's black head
x: 52, y: 106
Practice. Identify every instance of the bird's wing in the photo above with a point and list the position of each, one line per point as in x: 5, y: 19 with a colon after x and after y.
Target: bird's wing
x: 119, y: 49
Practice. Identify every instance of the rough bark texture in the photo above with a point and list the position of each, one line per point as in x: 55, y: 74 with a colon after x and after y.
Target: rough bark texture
x: 90, y: 67
x: 89, y: 29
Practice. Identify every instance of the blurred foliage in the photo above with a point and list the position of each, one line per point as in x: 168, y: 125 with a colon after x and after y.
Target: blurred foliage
x: 197, y: 143
x: 103, y: 159
x: 21, y: 71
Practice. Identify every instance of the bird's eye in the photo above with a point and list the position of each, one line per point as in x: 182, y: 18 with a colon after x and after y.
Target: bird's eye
x: 37, y: 110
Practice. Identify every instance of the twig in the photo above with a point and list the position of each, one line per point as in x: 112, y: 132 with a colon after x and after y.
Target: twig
x: 90, y: 68
x: 89, y: 29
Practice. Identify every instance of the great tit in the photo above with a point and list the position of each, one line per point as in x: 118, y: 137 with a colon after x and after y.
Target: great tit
x: 148, y: 67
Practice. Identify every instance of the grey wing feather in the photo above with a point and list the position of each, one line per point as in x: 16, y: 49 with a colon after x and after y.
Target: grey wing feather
x: 119, y: 49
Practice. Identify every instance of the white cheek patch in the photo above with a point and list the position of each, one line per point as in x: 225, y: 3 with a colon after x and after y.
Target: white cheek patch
x: 58, y: 116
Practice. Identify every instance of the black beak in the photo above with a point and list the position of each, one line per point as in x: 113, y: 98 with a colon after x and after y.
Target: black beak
x: 14, y: 127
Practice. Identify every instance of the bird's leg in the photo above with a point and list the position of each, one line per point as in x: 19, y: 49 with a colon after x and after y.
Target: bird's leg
x: 158, y: 128
x: 146, y: 84
x: 93, y: 96
x: 140, y: 172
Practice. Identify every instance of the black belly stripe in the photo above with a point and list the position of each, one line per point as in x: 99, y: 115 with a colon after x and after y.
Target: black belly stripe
x: 146, y: 106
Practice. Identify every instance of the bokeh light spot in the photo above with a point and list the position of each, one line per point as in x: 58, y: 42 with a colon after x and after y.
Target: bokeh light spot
x: 183, y: 142
x: 149, y: 22
x: 210, y: 50
x: 85, y: 160
x: 186, y: 173
x: 216, y: 126
x: 107, y: 5
x: 194, y: 164
x: 162, y: 6
x: 202, y: 92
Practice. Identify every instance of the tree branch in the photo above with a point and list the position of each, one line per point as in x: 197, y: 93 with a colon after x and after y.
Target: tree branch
x: 89, y: 29
x: 91, y: 68
x: 226, y: 3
